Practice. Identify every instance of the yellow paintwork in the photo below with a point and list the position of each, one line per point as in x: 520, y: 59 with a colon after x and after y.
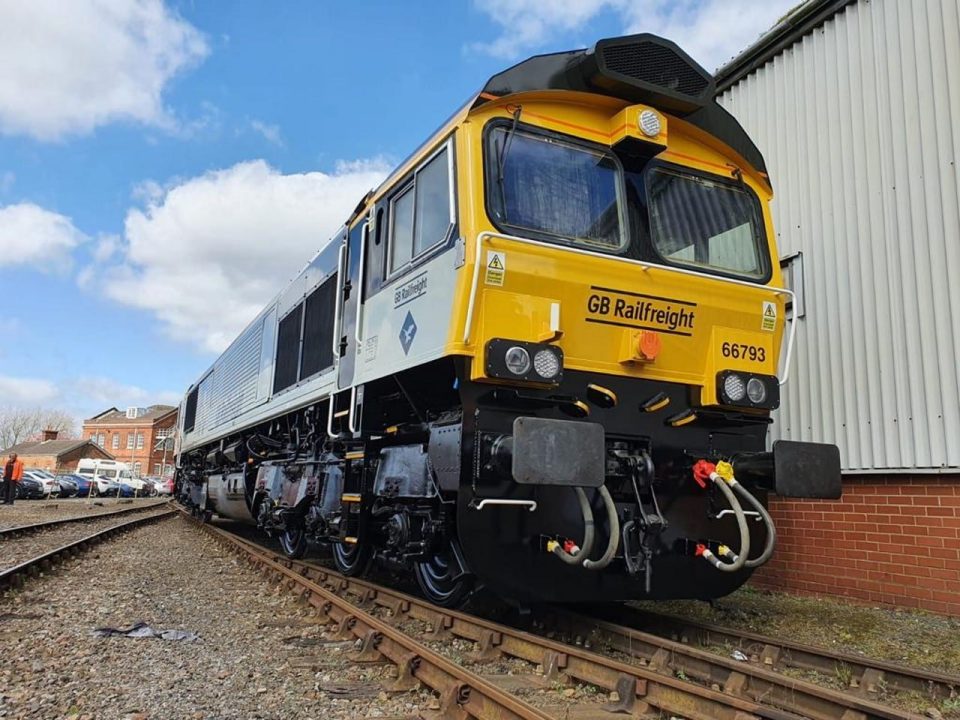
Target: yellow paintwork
x: 538, y: 275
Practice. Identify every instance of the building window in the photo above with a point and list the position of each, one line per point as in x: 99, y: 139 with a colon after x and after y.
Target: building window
x: 101, y: 440
x: 163, y: 433
x: 139, y: 441
x: 116, y: 441
x: 157, y: 469
x: 136, y: 469
x: 129, y: 441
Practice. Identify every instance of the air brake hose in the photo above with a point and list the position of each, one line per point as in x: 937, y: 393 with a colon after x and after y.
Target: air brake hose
x: 614, y: 542
x: 588, y: 532
x: 768, y: 521
x: 741, y: 524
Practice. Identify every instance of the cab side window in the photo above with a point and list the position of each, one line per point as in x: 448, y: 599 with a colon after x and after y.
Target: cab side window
x: 421, y: 213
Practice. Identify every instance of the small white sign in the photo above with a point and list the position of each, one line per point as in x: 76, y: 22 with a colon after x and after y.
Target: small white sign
x: 768, y: 320
x: 496, y: 268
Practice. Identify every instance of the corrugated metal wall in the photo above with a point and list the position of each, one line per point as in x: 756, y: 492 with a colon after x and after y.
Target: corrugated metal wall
x: 859, y: 122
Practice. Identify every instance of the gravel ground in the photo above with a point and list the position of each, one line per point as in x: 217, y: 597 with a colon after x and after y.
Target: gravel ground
x: 16, y: 550
x: 27, y: 512
x: 913, y: 637
x: 260, y: 653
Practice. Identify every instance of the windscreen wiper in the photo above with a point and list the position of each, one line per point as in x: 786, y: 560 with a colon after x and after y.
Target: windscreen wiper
x: 502, y: 157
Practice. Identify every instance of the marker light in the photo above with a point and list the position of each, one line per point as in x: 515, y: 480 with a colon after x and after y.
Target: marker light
x: 546, y: 363
x: 756, y: 390
x: 734, y: 387
x: 517, y: 360
x: 649, y: 123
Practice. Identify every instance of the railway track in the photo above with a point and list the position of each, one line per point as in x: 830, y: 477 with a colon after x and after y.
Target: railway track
x: 865, y: 676
x: 29, y: 528
x: 15, y: 575
x: 662, y: 678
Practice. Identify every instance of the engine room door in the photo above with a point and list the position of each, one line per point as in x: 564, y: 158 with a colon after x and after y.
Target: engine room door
x: 351, y: 283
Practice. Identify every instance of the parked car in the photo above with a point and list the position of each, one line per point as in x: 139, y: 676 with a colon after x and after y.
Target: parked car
x: 128, y: 490
x: 103, y: 486
x: 150, y: 485
x: 83, y: 483
x: 29, y: 488
x: 141, y: 486
x: 50, y: 486
x: 165, y: 486
x: 68, y: 487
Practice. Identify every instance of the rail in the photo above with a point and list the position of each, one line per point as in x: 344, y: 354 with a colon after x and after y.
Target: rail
x: 18, y: 530
x: 867, y: 676
x: 710, y: 687
x: 14, y: 576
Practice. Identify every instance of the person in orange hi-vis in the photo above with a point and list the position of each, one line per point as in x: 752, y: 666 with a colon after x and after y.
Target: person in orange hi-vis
x: 12, y: 474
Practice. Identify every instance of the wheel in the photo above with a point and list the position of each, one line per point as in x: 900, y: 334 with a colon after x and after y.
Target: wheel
x: 352, y: 560
x: 441, y: 580
x: 293, y: 539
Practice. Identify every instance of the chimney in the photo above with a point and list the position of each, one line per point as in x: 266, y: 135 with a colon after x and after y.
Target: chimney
x: 49, y: 434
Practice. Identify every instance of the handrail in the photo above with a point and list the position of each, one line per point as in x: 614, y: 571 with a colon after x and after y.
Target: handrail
x: 353, y: 407
x: 488, y: 235
x: 364, y: 237
x: 338, y: 304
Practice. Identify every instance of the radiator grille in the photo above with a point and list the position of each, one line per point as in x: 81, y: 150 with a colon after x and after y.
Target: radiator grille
x: 654, y: 64
x: 288, y: 350
x: 190, y: 412
x: 318, y: 329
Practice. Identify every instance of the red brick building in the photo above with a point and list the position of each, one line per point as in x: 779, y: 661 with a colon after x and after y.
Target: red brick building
x: 57, y: 456
x: 140, y: 437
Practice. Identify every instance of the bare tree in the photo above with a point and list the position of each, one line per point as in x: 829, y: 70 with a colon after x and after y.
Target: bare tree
x: 19, y: 424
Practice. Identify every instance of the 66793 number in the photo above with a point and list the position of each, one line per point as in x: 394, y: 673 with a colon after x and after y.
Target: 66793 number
x: 741, y: 351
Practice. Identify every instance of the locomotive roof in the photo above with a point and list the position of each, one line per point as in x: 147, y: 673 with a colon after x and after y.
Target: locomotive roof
x: 641, y: 68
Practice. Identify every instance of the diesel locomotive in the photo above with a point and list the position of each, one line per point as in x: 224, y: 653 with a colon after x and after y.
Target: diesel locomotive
x: 540, y: 358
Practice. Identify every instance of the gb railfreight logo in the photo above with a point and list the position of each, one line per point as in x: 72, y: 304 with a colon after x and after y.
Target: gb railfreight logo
x: 643, y: 312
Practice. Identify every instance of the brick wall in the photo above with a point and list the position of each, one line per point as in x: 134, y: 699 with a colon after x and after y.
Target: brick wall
x: 890, y: 540
x: 146, y: 455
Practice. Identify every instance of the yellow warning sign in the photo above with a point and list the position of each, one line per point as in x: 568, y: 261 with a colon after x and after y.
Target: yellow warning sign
x: 768, y: 320
x: 496, y: 268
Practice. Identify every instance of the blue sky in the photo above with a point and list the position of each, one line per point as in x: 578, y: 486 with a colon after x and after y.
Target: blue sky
x: 166, y: 166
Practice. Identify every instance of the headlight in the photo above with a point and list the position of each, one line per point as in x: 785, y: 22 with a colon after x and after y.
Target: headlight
x: 756, y: 391
x: 749, y: 390
x: 517, y: 360
x: 547, y: 364
x: 649, y: 123
x: 734, y: 387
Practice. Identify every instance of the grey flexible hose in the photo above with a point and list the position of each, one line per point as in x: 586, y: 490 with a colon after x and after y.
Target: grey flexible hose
x: 744, y: 531
x: 587, y: 545
x: 771, y: 530
x: 614, y: 542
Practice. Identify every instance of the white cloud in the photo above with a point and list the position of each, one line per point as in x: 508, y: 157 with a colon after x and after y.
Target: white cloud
x: 81, y: 397
x: 19, y: 391
x: 31, y: 235
x: 107, y: 245
x: 93, y: 394
x: 711, y: 31
x: 270, y: 132
x: 69, y: 67
x: 208, y: 253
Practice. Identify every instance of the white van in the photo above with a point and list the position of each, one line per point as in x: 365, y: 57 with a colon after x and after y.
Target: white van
x: 108, y: 469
